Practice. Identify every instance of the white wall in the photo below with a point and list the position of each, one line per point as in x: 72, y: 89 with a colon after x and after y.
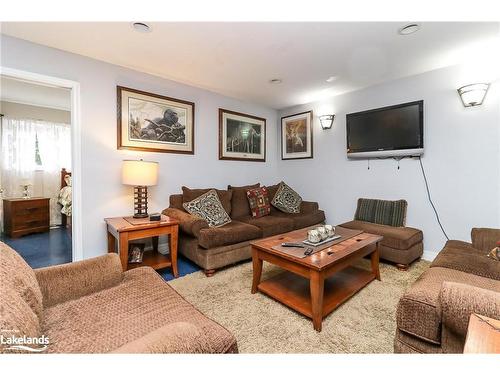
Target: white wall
x: 462, y: 158
x: 103, y: 194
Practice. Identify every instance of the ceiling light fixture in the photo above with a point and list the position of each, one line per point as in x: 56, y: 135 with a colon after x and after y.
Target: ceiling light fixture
x: 473, y: 95
x: 275, y: 81
x: 409, y: 29
x: 331, y: 79
x: 326, y: 121
x: 141, y: 27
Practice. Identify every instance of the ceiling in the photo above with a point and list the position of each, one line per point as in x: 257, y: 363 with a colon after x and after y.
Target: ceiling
x: 22, y: 92
x: 238, y: 59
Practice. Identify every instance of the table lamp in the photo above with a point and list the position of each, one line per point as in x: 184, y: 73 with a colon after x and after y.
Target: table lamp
x: 140, y: 174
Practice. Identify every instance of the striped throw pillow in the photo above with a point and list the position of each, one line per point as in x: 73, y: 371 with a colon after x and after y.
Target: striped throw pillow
x: 380, y: 211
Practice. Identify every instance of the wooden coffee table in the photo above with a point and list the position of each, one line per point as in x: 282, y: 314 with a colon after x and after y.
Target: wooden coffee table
x: 317, y: 284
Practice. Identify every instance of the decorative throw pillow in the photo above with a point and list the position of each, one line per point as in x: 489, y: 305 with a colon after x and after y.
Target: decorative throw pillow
x: 239, y: 201
x: 208, y: 207
x: 495, y: 253
x: 224, y: 195
x: 258, y: 199
x: 380, y: 211
x: 287, y: 200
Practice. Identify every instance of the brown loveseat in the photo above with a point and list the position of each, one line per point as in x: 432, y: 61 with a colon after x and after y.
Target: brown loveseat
x: 433, y: 315
x: 213, y: 248
x: 401, y: 244
x: 92, y: 306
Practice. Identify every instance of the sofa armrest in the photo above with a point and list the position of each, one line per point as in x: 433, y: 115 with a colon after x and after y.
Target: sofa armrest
x: 485, y: 239
x: 178, y: 337
x: 73, y: 280
x: 309, y: 207
x: 188, y: 223
x: 459, y: 301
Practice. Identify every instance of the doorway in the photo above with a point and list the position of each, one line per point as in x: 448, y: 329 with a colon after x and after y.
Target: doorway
x: 39, y: 169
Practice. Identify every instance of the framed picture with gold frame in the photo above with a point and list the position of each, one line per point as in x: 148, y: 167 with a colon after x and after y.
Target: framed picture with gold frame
x: 155, y: 123
x: 297, y: 136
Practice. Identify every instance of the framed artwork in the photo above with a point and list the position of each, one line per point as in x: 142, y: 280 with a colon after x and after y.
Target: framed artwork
x: 241, y: 136
x: 156, y: 123
x: 136, y: 252
x: 297, y: 136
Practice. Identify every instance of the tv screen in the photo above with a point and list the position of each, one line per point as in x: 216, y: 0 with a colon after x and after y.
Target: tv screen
x: 386, y: 132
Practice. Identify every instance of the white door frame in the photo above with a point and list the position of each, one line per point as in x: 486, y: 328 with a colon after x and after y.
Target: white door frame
x: 76, y: 157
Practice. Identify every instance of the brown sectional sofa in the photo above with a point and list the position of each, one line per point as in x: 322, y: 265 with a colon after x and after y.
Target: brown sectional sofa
x: 92, y: 306
x: 213, y: 248
x: 433, y: 315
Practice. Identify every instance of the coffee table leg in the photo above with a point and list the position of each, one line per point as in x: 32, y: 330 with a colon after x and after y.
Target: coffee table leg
x: 257, y: 269
x: 317, y: 285
x: 374, y: 257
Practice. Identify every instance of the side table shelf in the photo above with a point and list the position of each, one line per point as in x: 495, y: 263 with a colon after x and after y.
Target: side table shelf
x: 122, y: 231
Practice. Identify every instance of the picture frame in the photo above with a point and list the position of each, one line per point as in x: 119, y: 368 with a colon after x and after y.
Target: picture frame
x: 154, y: 123
x: 241, y: 136
x: 297, y: 136
x: 136, y: 252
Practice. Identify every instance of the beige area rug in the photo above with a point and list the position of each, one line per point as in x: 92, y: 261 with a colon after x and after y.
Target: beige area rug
x: 364, y: 324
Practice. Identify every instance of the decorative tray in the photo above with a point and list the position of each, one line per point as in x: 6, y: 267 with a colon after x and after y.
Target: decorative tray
x: 329, y: 239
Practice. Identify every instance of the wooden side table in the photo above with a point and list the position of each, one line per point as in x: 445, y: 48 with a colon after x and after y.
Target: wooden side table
x: 125, y: 229
x: 483, y: 335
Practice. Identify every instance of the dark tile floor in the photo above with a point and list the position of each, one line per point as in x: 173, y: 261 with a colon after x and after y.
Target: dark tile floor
x: 43, y: 249
x: 185, y: 267
x: 54, y: 247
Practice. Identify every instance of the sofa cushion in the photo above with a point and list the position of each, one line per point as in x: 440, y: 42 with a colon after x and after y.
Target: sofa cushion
x: 208, y: 207
x: 380, y: 211
x: 270, y: 225
x: 239, y: 200
x: 225, y: 196
x: 419, y: 312
x: 17, y: 275
x: 142, y: 303
x: 258, y: 200
x: 463, y: 257
x: 303, y: 220
x: 398, y: 238
x: 286, y: 199
x: 229, y: 234
x: 20, y: 297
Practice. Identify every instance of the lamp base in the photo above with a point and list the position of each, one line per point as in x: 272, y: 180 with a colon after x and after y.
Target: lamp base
x: 140, y: 202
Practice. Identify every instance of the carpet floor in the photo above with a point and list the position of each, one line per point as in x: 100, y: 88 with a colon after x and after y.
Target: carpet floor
x: 363, y: 324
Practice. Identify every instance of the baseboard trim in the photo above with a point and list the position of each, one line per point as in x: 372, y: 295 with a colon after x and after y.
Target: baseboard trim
x: 429, y: 255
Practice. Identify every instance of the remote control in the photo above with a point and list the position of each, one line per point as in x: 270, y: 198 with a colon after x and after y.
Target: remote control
x: 292, y: 244
x: 308, y: 251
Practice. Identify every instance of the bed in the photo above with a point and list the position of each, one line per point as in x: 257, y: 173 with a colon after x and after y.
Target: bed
x: 64, y: 198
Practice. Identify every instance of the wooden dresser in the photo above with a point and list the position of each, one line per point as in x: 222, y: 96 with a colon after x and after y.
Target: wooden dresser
x: 24, y: 216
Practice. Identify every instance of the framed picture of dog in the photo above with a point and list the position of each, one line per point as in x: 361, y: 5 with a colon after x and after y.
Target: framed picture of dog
x: 156, y: 123
x: 297, y: 136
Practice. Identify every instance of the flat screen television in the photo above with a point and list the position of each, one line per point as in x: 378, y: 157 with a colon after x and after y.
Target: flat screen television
x: 392, y: 131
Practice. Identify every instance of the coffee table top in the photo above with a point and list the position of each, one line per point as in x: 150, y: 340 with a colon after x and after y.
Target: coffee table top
x: 323, y: 258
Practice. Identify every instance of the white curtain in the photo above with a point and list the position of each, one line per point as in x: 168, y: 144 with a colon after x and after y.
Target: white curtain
x: 33, y: 152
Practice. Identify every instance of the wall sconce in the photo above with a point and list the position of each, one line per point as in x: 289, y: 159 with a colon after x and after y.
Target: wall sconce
x: 473, y: 95
x: 326, y: 121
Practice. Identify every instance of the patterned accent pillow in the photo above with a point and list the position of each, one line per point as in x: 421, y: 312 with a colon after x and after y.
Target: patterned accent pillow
x: 286, y: 199
x: 380, y: 211
x: 208, y: 207
x: 258, y: 199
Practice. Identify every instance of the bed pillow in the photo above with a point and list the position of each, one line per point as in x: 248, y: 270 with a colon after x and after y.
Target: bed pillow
x: 258, y: 199
x: 208, y: 207
x: 286, y: 199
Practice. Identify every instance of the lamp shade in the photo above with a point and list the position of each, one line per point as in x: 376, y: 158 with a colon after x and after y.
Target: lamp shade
x: 326, y: 121
x: 139, y: 173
